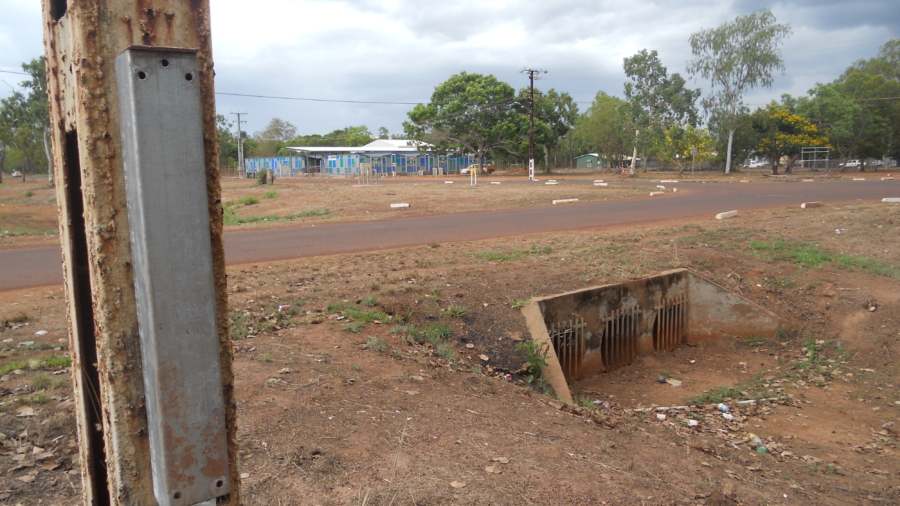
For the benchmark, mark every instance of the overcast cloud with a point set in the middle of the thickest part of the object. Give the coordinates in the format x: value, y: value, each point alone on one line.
x: 399, y: 50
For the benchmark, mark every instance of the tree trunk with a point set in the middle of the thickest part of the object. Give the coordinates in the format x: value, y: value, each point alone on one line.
x: 47, y: 154
x: 633, y: 162
x: 728, y: 155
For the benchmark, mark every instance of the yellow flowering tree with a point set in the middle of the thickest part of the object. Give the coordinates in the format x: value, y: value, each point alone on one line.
x: 783, y: 134
x: 677, y: 143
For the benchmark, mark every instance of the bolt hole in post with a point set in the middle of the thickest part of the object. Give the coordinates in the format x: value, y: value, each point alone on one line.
x: 220, y: 483
x: 164, y: 63
x: 176, y: 495
x: 189, y: 76
x: 142, y: 75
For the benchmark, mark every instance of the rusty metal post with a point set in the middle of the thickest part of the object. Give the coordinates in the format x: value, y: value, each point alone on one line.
x: 82, y: 39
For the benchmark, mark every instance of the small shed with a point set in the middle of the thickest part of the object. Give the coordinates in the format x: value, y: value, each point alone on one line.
x: 589, y: 161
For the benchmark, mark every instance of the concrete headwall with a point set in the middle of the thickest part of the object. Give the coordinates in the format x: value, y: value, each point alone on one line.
x: 710, y: 311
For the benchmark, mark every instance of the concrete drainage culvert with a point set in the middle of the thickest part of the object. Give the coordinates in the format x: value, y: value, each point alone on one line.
x: 599, y: 329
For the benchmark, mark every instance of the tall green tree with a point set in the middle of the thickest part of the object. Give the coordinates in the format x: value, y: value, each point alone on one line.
x: 606, y: 128
x: 472, y: 113
x: 656, y: 100
x: 25, y: 121
x: 736, y: 57
x: 555, y: 115
x: 228, y: 142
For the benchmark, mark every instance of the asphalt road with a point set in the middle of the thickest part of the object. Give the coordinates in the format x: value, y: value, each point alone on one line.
x: 40, y: 267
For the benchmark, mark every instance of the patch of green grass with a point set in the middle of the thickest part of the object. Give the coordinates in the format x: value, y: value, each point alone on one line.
x: 436, y: 332
x: 337, y: 307
x: 434, y: 245
x: 264, y: 357
x: 12, y: 366
x: 306, y: 214
x: 455, y: 311
x: 355, y: 327
x: 29, y: 193
x: 446, y: 351
x: 370, y: 301
x: 240, y: 322
x: 714, y: 396
x: 498, y: 256
x: 800, y: 253
x: 756, y: 341
x: 376, y: 344
x: 247, y: 201
x: 780, y: 283
x: 56, y: 362
x: 869, y: 265
x: 40, y: 397
x: 269, y: 194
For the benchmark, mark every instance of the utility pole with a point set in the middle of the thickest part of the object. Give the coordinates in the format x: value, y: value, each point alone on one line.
x: 135, y: 161
x: 532, y: 75
x: 240, y: 143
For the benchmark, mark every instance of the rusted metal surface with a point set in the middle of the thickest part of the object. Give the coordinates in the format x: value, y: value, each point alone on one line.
x: 568, y: 343
x: 81, y: 40
x: 671, y: 320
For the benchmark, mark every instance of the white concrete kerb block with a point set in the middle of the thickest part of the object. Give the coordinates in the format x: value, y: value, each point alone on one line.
x: 729, y: 214
x: 448, y: 182
x: 661, y: 187
x: 551, y: 182
x: 403, y: 204
x: 564, y: 201
x: 891, y: 199
x: 601, y: 184
x: 808, y: 205
x: 654, y: 194
x: 495, y: 182
x: 859, y: 179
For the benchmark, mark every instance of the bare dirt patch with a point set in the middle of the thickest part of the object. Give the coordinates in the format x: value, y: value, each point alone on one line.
x: 385, y: 382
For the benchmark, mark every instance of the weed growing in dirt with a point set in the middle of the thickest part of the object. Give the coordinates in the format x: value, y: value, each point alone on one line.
x: 519, y: 303
x: 423, y: 264
x: 376, y: 344
x: 455, y: 311
x: 269, y: 194
x: 29, y: 193
x: 756, y: 341
x: 40, y: 382
x: 535, y: 354
x: 779, y: 283
x: 264, y: 357
x: 445, y: 351
x: 370, y: 301
x: 498, y: 256
x: 434, y: 245
x: 40, y: 397
x: 583, y: 401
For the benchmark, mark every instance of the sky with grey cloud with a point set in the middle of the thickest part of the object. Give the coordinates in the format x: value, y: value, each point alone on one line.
x: 399, y: 50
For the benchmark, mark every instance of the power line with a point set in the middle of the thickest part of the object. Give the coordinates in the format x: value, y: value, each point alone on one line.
x: 11, y: 72
x: 319, y: 99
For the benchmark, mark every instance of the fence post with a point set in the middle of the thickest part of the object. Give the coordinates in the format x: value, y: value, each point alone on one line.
x: 82, y: 39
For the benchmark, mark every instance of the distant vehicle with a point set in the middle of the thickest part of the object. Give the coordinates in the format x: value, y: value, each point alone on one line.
x: 877, y: 163
x: 16, y: 174
x: 755, y: 164
x: 488, y: 169
x: 851, y: 163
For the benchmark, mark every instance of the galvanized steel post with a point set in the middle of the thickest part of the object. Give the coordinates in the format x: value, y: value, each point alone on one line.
x: 82, y: 39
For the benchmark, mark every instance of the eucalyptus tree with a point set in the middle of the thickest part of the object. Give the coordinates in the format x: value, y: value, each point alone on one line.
x: 656, y: 100
x: 736, y: 57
